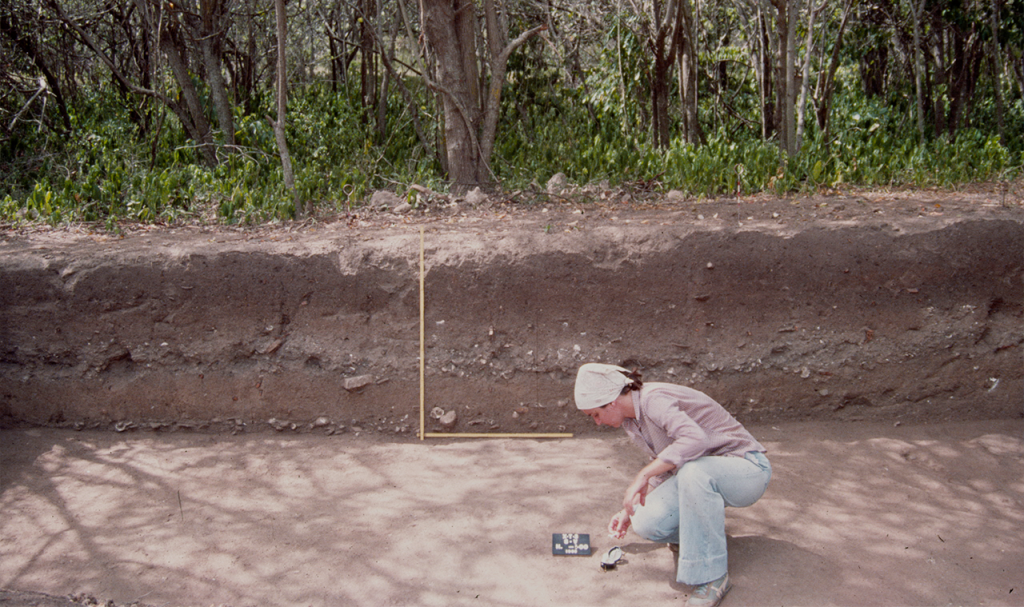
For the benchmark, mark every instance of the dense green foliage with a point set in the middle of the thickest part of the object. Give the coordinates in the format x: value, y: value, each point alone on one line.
x: 125, y: 157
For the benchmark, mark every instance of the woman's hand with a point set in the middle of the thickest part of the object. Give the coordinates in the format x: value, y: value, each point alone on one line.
x: 618, y: 525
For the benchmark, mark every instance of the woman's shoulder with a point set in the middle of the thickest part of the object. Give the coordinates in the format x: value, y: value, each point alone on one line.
x: 664, y: 391
x: 656, y: 387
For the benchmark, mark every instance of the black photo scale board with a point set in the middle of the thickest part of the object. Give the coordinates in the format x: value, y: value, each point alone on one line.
x: 570, y: 544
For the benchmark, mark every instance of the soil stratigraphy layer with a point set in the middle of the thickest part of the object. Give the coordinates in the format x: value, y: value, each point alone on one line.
x: 317, y: 327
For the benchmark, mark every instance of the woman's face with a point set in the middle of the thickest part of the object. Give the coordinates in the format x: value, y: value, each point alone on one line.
x: 608, y: 415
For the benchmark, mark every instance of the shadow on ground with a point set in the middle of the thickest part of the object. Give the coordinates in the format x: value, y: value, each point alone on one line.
x: 857, y: 514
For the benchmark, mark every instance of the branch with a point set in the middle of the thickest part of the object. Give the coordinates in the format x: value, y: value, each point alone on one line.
x: 406, y: 94
x: 330, y: 30
x: 42, y: 88
x: 498, y: 68
x: 87, y: 39
x: 520, y: 40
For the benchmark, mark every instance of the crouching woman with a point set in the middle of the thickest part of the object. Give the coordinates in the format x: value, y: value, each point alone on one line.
x: 702, y: 460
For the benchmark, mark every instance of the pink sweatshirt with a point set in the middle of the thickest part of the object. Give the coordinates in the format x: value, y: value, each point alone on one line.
x: 678, y: 424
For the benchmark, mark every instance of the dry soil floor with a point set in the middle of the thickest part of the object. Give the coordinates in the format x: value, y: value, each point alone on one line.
x: 856, y: 514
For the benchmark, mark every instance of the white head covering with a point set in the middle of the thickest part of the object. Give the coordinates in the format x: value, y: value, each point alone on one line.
x: 598, y: 384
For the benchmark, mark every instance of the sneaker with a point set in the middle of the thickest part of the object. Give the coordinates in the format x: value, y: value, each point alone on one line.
x: 710, y: 594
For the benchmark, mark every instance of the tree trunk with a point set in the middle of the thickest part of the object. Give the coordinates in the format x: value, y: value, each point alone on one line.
x: 211, y: 35
x: 765, y: 80
x: 337, y: 46
x: 968, y: 54
x: 192, y: 118
x: 826, y: 84
x: 997, y: 71
x: 915, y: 15
x: 805, y: 79
x: 243, y: 81
x: 787, y: 10
x: 1016, y: 63
x: 499, y: 50
x: 659, y: 98
x: 941, y: 78
x: 692, y: 133
x: 688, y: 93
x: 367, y: 68
x: 975, y: 67
x: 410, y: 101
x: 665, y: 42
x: 460, y: 118
x: 386, y: 53
x: 792, y: 15
x: 470, y: 124
x: 466, y: 32
x: 957, y: 79
x: 874, y: 64
x: 626, y: 122
x: 196, y: 125
x: 282, y: 103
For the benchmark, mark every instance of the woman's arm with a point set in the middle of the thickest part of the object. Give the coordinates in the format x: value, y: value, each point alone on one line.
x: 636, y: 493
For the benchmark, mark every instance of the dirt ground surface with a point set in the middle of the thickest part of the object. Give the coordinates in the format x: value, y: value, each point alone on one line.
x: 857, y: 513
x: 195, y: 415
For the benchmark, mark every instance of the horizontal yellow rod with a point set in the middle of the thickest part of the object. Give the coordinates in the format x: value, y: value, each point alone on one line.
x: 496, y: 435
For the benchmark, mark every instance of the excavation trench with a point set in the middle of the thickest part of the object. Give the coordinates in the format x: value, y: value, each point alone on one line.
x: 889, y: 316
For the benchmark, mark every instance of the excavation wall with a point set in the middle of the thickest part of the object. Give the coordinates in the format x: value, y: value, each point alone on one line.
x: 318, y: 328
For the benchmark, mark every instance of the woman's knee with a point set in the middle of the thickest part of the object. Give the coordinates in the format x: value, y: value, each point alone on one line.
x: 656, y: 524
x: 650, y: 530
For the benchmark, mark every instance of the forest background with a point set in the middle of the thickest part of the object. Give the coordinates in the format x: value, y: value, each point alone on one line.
x: 259, y: 110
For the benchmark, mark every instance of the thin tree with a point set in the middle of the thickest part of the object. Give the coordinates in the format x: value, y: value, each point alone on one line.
x: 688, y: 68
x: 282, y: 103
x: 915, y: 17
x: 788, y: 11
x: 826, y: 85
x: 997, y: 72
x: 664, y: 39
x: 209, y: 29
x: 805, y: 81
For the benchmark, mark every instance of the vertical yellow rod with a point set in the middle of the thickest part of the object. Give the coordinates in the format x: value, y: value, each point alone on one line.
x: 423, y: 361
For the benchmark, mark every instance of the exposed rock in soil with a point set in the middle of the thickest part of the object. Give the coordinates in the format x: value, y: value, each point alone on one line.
x: 837, y: 308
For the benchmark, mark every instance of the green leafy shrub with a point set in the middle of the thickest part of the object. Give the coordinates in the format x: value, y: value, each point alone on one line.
x: 141, y: 167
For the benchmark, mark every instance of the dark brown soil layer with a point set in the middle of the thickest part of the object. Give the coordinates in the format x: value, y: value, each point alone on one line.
x: 847, y: 307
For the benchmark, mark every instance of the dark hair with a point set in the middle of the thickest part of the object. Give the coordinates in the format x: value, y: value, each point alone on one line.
x: 637, y: 382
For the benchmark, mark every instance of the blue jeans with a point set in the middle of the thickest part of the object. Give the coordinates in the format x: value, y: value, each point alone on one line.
x: 689, y: 509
